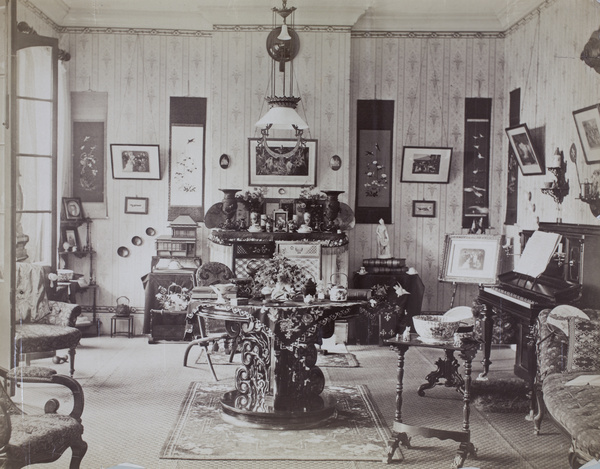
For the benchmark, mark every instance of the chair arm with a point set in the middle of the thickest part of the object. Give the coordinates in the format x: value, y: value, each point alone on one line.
x: 5, y: 430
x: 63, y: 314
x: 38, y: 374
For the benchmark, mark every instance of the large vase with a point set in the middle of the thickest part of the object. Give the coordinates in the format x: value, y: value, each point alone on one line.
x: 332, y: 208
x: 229, y: 207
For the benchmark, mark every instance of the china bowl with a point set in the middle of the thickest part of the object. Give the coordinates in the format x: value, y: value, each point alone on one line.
x: 432, y: 328
x: 64, y: 275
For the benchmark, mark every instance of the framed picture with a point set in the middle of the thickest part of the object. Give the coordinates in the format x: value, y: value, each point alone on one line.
x: 426, y: 164
x: 135, y: 161
x: 283, y: 162
x: 280, y: 219
x: 72, y: 208
x: 520, y: 142
x: 136, y: 205
x: 587, y: 121
x: 471, y: 259
x: 186, y: 170
x: 70, y: 239
x: 423, y: 208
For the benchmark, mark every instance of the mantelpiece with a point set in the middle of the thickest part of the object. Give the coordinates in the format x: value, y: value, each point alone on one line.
x: 229, y: 247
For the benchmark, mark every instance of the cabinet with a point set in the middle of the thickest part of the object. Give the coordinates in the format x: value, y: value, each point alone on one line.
x: 71, y: 248
x: 369, y: 331
x: 236, y: 249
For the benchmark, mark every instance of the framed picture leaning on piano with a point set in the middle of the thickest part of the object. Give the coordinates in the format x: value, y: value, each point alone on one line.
x: 471, y: 259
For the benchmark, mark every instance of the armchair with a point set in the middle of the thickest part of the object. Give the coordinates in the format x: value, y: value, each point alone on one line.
x: 41, y: 438
x: 42, y: 325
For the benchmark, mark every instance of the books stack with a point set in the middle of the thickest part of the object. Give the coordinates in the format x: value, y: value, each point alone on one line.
x: 203, y: 293
x: 207, y: 293
x: 391, y: 266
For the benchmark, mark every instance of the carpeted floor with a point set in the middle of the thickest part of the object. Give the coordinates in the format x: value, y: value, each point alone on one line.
x: 357, y: 431
x: 134, y: 391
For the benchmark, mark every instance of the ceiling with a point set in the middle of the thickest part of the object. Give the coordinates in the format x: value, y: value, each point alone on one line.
x: 376, y: 15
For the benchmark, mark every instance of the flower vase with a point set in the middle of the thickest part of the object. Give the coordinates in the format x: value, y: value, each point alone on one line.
x: 332, y: 208
x: 229, y: 207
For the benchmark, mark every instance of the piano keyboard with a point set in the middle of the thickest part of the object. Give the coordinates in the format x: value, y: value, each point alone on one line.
x: 510, y: 296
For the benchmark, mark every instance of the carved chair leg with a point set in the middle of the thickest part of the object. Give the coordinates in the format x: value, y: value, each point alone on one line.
x: 72, y: 357
x: 78, y: 451
x: 539, y: 416
x: 209, y: 360
x: 187, y: 351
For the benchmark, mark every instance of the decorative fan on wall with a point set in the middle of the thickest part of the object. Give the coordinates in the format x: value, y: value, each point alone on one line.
x: 591, y: 51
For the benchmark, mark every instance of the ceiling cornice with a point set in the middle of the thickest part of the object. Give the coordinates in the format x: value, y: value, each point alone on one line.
x: 375, y: 18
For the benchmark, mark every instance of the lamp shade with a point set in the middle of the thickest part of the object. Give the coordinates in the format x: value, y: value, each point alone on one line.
x: 284, y: 35
x: 282, y: 118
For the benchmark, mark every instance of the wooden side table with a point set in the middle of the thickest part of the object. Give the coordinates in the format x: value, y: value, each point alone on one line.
x: 113, y: 325
x: 402, y: 432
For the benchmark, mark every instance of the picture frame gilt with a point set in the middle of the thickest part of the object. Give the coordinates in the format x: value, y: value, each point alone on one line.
x: 587, y: 121
x: 135, y: 161
x: 283, y: 163
x: 524, y: 151
x: 426, y: 164
x: 471, y: 259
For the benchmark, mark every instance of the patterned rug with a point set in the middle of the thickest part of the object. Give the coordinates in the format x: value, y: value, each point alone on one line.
x: 357, y: 433
x: 507, y: 395
x: 332, y: 359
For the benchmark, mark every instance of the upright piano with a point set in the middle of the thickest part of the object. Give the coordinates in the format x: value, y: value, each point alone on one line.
x: 572, y: 276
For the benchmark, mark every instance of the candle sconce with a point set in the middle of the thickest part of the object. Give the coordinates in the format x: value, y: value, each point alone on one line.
x: 589, y: 193
x: 560, y: 188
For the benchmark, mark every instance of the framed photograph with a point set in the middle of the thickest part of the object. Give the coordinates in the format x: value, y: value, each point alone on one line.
x: 135, y: 161
x: 587, y: 121
x: 136, y: 205
x: 520, y: 142
x: 423, y: 208
x: 72, y: 208
x: 471, y: 259
x: 283, y: 162
x: 426, y: 164
x: 70, y: 239
x: 280, y: 219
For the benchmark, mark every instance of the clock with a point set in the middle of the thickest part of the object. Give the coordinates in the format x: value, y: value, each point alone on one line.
x: 283, y: 51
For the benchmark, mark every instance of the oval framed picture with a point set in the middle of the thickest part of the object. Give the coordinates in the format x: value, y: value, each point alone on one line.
x: 224, y: 161
x: 335, y: 162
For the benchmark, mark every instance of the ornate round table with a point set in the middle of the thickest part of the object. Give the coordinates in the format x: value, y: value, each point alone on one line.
x: 278, y: 386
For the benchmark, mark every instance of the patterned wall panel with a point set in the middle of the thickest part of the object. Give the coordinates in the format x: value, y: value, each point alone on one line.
x: 429, y: 76
x: 543, y: 60
x: 142, y: 69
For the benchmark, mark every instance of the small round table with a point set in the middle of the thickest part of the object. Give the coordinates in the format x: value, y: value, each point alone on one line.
x: 401, y: 432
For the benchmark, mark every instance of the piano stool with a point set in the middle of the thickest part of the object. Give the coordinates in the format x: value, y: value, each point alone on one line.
x: 574, y: 409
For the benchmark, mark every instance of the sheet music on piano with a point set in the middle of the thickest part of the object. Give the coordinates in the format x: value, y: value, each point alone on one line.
x: 537, y: 253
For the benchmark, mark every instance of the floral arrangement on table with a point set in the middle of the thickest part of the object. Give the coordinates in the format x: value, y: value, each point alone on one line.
x: 174, y: 298
x: 253, y: 199
x: 311, y: 193
x: 280, y: 273
x: 378, y: 179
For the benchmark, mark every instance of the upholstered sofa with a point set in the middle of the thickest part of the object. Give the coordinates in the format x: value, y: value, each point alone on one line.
x: 42, y: 325
x: 568, y: 346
